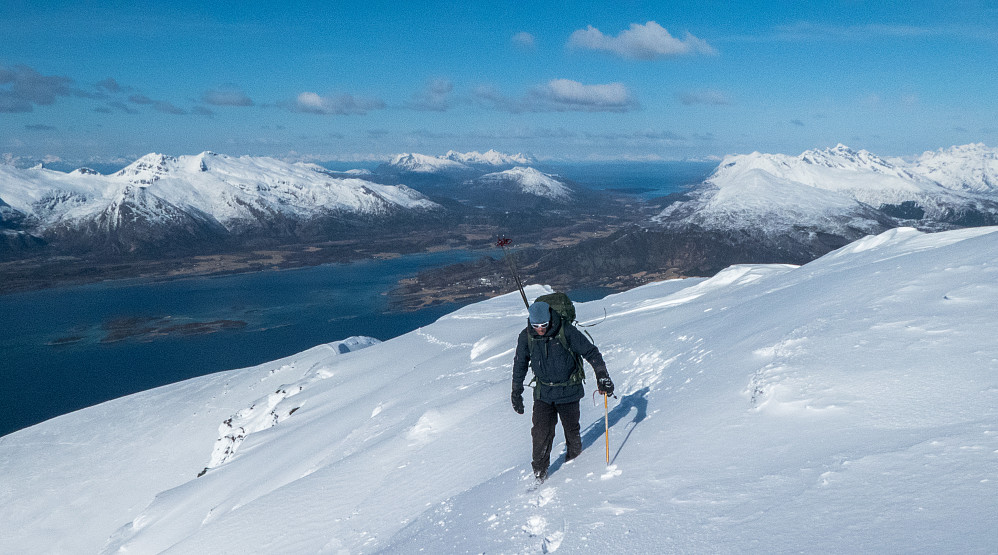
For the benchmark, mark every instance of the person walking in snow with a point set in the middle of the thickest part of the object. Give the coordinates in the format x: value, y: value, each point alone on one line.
x: 549, y: 345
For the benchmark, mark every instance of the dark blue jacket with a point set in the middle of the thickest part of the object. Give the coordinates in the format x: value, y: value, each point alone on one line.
x: 551, y: 363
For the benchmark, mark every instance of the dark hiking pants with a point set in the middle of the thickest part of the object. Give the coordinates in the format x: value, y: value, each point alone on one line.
x: 545, y: 419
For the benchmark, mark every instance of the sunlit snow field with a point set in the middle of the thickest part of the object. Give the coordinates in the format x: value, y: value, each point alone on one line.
x: 848, y: 405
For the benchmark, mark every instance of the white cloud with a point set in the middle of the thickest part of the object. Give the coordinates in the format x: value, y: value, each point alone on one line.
x: 642, y: 42
x: 524, y: 40
x: 344, y: 104
x: 563, y: 95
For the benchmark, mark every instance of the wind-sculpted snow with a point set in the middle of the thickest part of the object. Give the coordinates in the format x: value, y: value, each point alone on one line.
x: 275, y: 407
x: 848, y: 405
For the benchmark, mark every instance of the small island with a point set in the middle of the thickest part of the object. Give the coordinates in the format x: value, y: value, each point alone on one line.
x: 148, y: 329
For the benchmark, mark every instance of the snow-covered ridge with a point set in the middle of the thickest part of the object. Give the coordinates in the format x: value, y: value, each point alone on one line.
x: 231, y: 191
x: 421, y: 163
x: 530, y: 181
x: 490, y: 158
x: 836, y: 188
x: 456, y: 161
x: 972, y: 167
x: 856, y: 392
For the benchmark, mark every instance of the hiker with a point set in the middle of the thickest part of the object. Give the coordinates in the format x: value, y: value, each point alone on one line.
x: 558, y: 374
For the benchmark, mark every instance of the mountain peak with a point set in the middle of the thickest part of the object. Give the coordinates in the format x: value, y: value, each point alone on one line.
x: 531, y: 181
x: 147, y: 168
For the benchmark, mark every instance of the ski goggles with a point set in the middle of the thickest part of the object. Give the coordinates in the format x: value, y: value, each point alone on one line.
x: 543, y: 326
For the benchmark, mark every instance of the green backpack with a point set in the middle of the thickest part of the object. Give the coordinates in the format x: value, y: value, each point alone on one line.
x: 561, y: 304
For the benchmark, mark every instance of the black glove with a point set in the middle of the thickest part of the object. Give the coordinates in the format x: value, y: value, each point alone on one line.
x: 605, y: 386
x: 517, y: 399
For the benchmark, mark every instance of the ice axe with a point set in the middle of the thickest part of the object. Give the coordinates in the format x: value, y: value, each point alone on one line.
x: 606, y: 421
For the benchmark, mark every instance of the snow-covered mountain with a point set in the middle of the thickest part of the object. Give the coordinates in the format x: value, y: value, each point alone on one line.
x: 454, y: 162
x: 421, y: 163
x: 849, y: 405
x: 971, y: 167
x: 524, y: 181
x: 490, y: 158
x: 843, y: 192
x: 207, y: 194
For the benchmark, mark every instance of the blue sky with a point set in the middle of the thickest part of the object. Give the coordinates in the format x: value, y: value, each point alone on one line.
x: 571, y: 80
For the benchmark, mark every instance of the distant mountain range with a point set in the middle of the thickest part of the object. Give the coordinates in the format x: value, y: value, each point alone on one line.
x: 171, y: 202
x: 454, y: 162
x: 163, y: 205
x: 753, y: 208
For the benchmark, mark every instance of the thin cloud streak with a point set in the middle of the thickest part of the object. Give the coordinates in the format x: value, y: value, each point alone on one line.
x: 807, y: 32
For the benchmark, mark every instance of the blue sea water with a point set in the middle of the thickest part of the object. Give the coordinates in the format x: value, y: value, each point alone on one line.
x: 285, y: 311
x: 645, y: 180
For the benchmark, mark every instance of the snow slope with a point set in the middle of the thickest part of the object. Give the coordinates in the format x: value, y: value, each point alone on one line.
x: 839, y: 188
x: 847, y: 405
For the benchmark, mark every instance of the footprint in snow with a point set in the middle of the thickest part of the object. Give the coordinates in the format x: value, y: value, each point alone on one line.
x: 544, y: 497
x: 535, y: 525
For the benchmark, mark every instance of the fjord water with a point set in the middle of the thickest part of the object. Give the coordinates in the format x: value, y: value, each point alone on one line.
x: 645, y: 180
x: 57, y: 357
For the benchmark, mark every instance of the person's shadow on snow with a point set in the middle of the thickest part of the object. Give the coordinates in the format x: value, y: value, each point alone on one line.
x: 597, y: 429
